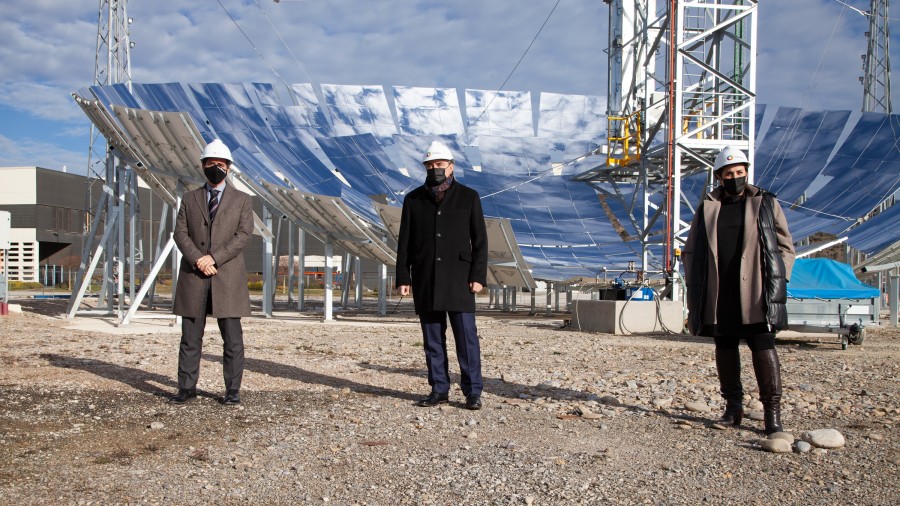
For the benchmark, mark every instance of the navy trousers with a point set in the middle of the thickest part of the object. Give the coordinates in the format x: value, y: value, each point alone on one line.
x: 468, y: 351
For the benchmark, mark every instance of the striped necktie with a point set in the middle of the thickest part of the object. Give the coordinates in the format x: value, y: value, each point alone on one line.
x: 213, y: 203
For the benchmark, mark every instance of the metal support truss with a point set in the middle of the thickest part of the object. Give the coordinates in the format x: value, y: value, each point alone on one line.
x: 682, y: 86
x: 382, y: 289
x: 159, y: 261
x: 358, y: 287
x: 876, y: 78
x: 112, y: 65
x: 112, y: 62
x: 329, y: 281
x: 301, y: 278
x: 345, y: 280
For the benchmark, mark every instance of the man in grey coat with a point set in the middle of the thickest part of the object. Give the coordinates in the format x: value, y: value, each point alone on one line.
x: 214, y: 225
x: 442, y: 257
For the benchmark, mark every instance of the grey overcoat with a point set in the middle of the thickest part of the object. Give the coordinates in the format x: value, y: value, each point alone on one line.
x: 225, y: 241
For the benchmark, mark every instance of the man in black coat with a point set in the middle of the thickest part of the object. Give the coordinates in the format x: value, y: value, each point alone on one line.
x: 442, y: 256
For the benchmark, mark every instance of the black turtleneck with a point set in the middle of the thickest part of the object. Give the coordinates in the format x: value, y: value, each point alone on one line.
x: 730, y: 232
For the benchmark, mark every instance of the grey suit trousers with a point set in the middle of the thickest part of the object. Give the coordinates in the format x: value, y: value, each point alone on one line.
x: 191, y: 348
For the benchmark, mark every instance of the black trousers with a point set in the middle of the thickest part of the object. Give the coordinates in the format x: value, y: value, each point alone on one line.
x: 757, y: 335
x: 191, y: 348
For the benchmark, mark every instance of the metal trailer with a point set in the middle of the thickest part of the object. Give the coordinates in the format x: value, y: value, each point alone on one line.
x: 824, y: 296
x: 847, y: 318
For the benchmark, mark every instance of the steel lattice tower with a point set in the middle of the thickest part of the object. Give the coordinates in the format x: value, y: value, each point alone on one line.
x: 112, y: 62
x: 112, y: 65
x: 682, y: 87
x: 876, y: 78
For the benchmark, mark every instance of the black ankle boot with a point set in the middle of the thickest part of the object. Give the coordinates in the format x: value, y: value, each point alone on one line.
x: 734, y: 413
x: 773, y: 420
x: 728, y: 365
x: 768, y: 376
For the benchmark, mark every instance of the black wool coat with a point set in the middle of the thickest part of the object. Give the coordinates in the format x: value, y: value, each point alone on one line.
x: 442, y: 248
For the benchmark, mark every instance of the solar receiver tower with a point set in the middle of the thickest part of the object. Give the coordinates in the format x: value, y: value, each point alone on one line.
x: 682, y: 86
x: 876, y: 78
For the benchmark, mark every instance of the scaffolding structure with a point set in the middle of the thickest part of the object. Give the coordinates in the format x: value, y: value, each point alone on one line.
x: 682, y: 86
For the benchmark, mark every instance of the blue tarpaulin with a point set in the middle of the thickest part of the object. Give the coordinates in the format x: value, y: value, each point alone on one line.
x: 823, y: 278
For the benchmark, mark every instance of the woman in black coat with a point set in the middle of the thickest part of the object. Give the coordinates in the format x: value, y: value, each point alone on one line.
x: 442, y: 258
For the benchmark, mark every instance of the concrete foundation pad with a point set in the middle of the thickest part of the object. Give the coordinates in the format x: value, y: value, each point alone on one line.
x: 623, y: 317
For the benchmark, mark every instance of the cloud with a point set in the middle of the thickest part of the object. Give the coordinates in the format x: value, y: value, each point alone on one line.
x: 30, y: 152
x: 808, y: 50
x: 41, y: 100
x: 809, y: 54
x: 49, y: 44
x: 461, y: 44
x: 47, y: 53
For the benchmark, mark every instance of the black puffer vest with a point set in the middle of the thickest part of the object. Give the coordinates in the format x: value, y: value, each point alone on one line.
x: 775, y: 284
x: 696, y: 285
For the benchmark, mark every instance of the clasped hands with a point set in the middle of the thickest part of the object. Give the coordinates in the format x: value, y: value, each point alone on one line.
x: 207, y: 265
x: 474, y: 287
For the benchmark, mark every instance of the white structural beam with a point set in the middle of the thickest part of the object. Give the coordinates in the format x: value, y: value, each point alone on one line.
x: 329, y: 280
x: 268, y: 291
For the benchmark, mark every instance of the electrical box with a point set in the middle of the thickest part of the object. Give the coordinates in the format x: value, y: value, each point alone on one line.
x: 640, y: 293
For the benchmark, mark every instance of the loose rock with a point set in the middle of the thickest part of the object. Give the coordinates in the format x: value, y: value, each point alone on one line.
x: 802, y: 446
x: 295, y: 443
x: 824, y: 438
x: 775, y: 445
x: 782, y: 435
x: 699, y: 407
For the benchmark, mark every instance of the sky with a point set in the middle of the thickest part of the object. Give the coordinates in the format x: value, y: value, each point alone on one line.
x: 808, y: 53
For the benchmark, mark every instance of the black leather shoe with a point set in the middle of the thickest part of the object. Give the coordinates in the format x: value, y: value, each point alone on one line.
x: 231, y: 398
x: 433, y: 399
x: 473, y: 401
x: 183, y: 395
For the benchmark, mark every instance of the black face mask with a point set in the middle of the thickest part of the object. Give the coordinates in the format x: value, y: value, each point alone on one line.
x: 435, y: 177
x: 214, y: 174
x: 735, y: 186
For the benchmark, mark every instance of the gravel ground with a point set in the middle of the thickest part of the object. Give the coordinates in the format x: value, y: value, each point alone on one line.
x: 328, y: 416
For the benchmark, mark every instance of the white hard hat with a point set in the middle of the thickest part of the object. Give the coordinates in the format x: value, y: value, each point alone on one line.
x: 730, y: 155
x: 216, y: 149
x: 438, y: 151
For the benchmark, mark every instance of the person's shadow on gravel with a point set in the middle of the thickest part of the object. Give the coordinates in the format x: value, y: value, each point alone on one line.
x: 511, y: 390
x: 295, y: 373
x: 495, y: 386
x: 138, y: 379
